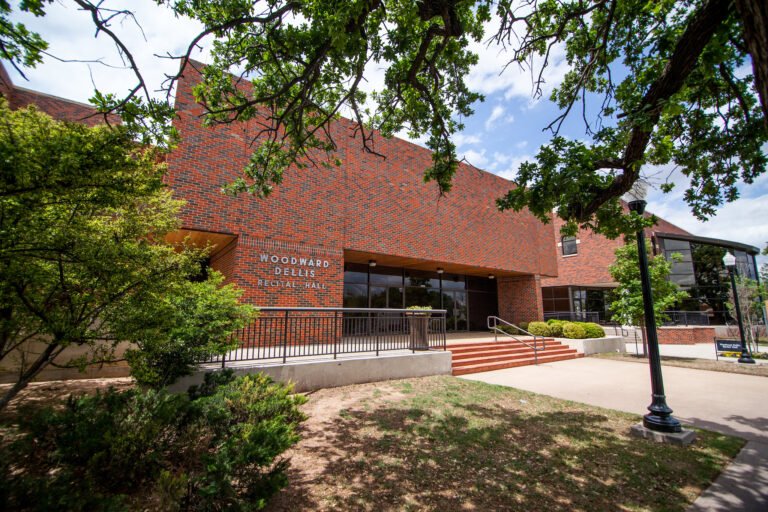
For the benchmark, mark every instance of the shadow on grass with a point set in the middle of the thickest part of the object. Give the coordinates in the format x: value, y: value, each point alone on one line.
x: 442, y: 451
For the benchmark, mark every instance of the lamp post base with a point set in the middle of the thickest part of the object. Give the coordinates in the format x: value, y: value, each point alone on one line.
x: 683, y: 438
x: 746, y: 359
x: 658, y: 423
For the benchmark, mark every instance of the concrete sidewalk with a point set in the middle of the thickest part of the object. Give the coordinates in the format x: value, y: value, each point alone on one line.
x: 724, y: 402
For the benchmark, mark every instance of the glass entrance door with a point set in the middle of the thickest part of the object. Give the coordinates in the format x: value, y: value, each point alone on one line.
x: 455, y: 303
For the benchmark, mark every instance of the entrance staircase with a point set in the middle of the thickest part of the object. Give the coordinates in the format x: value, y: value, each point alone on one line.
x: 497, y: 355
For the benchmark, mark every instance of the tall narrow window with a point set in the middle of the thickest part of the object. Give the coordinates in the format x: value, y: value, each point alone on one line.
x: 569, y: 245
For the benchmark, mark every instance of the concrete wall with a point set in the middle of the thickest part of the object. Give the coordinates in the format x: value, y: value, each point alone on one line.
x: 596, y: 345
x: 308, y: 376
x: 28, y: 352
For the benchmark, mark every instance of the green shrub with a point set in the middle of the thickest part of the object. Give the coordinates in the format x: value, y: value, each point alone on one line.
x: 593, y: 330
x: 514, y: 331
x: 556, y: 327
x: 574, y: 331
x: 524, y: 325
x: 539, y: 329
x: 251, y: 421
x: 216, y: 449
x: 197, y: 321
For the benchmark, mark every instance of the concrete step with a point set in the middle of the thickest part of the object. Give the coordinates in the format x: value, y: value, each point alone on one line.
x: 500, y: 365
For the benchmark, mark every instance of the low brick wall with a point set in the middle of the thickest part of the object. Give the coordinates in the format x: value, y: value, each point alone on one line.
x: 685, y: 335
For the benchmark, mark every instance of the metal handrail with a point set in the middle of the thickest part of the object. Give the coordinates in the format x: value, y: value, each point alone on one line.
x: 354, y: 310
x: 496, y: 330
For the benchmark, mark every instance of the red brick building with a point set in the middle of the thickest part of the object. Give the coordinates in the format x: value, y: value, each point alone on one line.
x: 58, y: 108
x: 581, y: 288
x: 368, y: 233
x: 371, y: 233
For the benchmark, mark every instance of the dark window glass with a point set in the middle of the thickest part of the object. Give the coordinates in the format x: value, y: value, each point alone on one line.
x: 378, y: 297
x: 386, y: 276
x: 355, y: 295
x: 453, y: 282
x: 569, y: 245
x: 423, y: 279
x: 675, y: 245
x: 355, y: 277
x: 481, y: 284
x: 395, y: 298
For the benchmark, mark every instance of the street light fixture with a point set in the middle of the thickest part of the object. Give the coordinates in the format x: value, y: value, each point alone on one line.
x: 660, y: 417
x: 729, y: 260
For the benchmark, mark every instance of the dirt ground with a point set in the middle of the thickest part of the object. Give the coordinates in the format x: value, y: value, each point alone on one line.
x: 55, y: 392
x: 321, y: 446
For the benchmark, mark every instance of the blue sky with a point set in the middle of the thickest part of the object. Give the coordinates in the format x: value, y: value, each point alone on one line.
x: 505, y: 130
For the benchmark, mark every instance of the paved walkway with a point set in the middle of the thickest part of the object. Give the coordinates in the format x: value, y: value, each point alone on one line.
x: 725, y: 402
x: 698, y: 351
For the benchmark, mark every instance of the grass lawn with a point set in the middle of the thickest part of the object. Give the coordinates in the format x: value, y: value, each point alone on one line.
x: 442, y: 443
x: 730, y: 366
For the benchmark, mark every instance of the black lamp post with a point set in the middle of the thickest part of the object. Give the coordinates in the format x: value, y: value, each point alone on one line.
x: 729, y: 260
x: 660, y: 416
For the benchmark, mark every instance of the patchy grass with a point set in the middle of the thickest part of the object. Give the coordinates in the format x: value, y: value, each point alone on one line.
x: 760, y: 370
x: 442, y: 443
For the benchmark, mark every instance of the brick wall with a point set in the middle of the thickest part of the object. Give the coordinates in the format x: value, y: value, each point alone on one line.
x: 589, y: 267
x: 369, y: 204
x: 685, y: 335
x: 520, y: 299
x: 58, y: 108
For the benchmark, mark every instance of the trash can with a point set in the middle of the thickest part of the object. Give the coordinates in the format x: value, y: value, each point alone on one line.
x: 419, y: 324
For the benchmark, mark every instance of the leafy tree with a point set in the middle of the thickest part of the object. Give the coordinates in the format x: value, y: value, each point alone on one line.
x: 750, y: 292
x: 83, y: 212
x: 668, y: 82
x: 627, y: 304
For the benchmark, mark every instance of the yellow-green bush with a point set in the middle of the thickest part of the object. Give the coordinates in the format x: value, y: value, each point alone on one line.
x: 574, y: 331
x: 539, y: 329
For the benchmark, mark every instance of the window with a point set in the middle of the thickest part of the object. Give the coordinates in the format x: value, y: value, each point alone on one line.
x: 569, y: 245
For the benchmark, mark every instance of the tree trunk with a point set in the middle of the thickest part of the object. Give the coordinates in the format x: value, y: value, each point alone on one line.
x: 49, y: 354
x: 754, y: 19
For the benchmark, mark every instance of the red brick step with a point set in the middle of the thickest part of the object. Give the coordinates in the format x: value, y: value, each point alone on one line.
x: 483, y: 357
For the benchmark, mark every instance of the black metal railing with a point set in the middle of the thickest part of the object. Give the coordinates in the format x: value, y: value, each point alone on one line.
x: 283, y: 333
x: 686, y: 318
x: 575, y: 316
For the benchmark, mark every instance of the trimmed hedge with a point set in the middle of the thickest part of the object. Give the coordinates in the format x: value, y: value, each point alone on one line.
x: 574, y: 331
x: 539, y: 329
x: 556, y: 327
x: 594, y: 330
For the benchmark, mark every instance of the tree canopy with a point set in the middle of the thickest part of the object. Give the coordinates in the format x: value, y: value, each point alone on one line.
x: 627, y: 304
x: 676, y: 82
x: 83, y: 214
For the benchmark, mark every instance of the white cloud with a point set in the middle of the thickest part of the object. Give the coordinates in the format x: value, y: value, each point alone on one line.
x: 461, y: 139
x: 506, y: 165
x: 522, y: 144
x: 69, y: 32
x: 495, y: 73
x: 496, y: 113
x: 476, y: 158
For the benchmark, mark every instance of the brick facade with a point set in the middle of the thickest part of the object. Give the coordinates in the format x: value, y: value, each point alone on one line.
x: 520, y: 299
x: 589, y: 266
x: 58, y: 108
x: 368, y: 205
